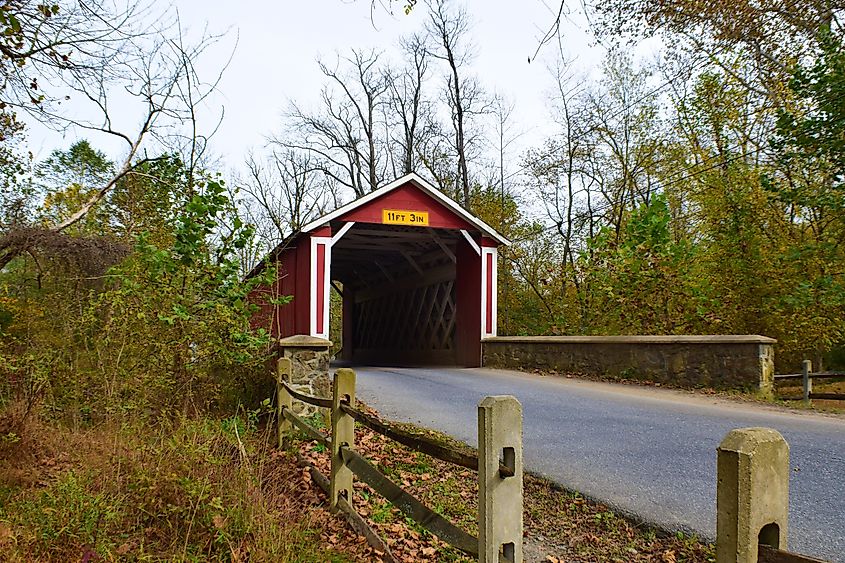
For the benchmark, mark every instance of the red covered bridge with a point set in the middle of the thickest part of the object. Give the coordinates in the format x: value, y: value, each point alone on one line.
x: 416, y: 271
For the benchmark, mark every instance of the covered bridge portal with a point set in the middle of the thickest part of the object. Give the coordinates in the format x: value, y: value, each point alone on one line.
x: 417, y: 274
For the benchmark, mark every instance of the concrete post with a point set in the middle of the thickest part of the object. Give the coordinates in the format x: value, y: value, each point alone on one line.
x: 806, y: 370
x: 343, y: 434
x: 283, y: 399
x: 767, y: 370
x: 499, y: 498
x: 752, y: 494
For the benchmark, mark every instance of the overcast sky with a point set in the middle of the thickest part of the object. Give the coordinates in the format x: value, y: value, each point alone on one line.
x: 276, y: 45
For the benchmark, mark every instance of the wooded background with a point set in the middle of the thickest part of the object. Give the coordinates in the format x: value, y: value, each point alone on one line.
x: 701, y: 193
x: 696, y: 191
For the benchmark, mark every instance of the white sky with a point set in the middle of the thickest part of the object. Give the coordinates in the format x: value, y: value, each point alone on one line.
x: 278, y: 43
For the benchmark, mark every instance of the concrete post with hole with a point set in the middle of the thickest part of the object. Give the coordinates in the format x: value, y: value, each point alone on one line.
x: 752, y: 495
x: 343, y: 434
x: 499, y: 497
x: 806, y: 381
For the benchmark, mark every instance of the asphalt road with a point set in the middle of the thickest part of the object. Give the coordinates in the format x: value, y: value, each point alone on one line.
x: 649, y: 452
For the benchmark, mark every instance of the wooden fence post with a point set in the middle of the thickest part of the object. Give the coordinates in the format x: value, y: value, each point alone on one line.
x: 499, y: 497
x: 806, y: 370
x: 343, y: 434
x: 752, y: 494
x: 283, y: 400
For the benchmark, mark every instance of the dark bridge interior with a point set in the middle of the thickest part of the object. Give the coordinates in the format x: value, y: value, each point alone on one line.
x: 400, y: 294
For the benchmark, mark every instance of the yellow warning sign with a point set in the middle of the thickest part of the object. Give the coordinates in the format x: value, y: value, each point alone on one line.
x: 404, y: 217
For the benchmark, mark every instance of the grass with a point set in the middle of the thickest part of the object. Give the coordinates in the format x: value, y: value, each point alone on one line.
x: 217, y: 490
x: 793, y: 388
x: 192, y: 490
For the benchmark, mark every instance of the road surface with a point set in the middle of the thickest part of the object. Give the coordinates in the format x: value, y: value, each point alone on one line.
x: 645, y: 451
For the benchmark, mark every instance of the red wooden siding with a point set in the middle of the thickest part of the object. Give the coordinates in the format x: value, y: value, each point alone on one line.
x: 409, y: 198
x: 280, y: 321
x: 468, y: 298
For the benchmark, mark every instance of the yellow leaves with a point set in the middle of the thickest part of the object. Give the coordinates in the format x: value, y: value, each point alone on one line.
x: 668, y: 556
x: 7, y: 534
x: 61, y: 204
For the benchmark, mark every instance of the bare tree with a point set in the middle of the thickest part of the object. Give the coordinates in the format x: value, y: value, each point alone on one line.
x: 345, y: 134
x: 563, y: 169
x: 626, y: 125
x: 284, y: 192
x: 95, y: 57
x: 465, y: 98
x: 437, y: 155
x: 501, y: 112
x: 504, y: 137
x: 408, y: 106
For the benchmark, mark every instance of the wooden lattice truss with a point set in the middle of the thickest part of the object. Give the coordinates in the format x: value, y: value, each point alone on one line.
x: 403, y: 280
x: 422, y: 319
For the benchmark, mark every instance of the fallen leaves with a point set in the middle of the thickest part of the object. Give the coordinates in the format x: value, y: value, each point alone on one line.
x: 568, y: 527
x: 7, y: 535
x: 668, y: 556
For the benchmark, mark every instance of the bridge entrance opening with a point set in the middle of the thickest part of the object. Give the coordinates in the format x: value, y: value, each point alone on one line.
x: 400, y: 294
x: 416, y: 272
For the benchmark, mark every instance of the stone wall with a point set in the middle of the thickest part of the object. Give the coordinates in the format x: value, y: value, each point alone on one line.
x: 309, y: 357
x: 721, y: 362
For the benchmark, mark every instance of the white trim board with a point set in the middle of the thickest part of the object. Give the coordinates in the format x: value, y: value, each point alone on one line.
x: 494, y: 297
x: 471, y: 242
x: 327, y: 264
x: 342, y: 232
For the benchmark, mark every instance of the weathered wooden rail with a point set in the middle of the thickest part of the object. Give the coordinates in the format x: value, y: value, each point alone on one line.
x: 498, y: 462
x: 807, y: 376
x: 768, y: 554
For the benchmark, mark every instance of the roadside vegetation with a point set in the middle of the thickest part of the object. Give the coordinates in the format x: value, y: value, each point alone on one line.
x: 703, y: 194
x: 192, y: 490
x: 132, y: 387
x: 795, y: 390
x: 560, y: 525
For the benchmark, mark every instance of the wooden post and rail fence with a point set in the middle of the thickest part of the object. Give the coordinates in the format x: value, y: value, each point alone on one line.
x: 807, y: 376
x: 498, y: 462
x: 752, y: 474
